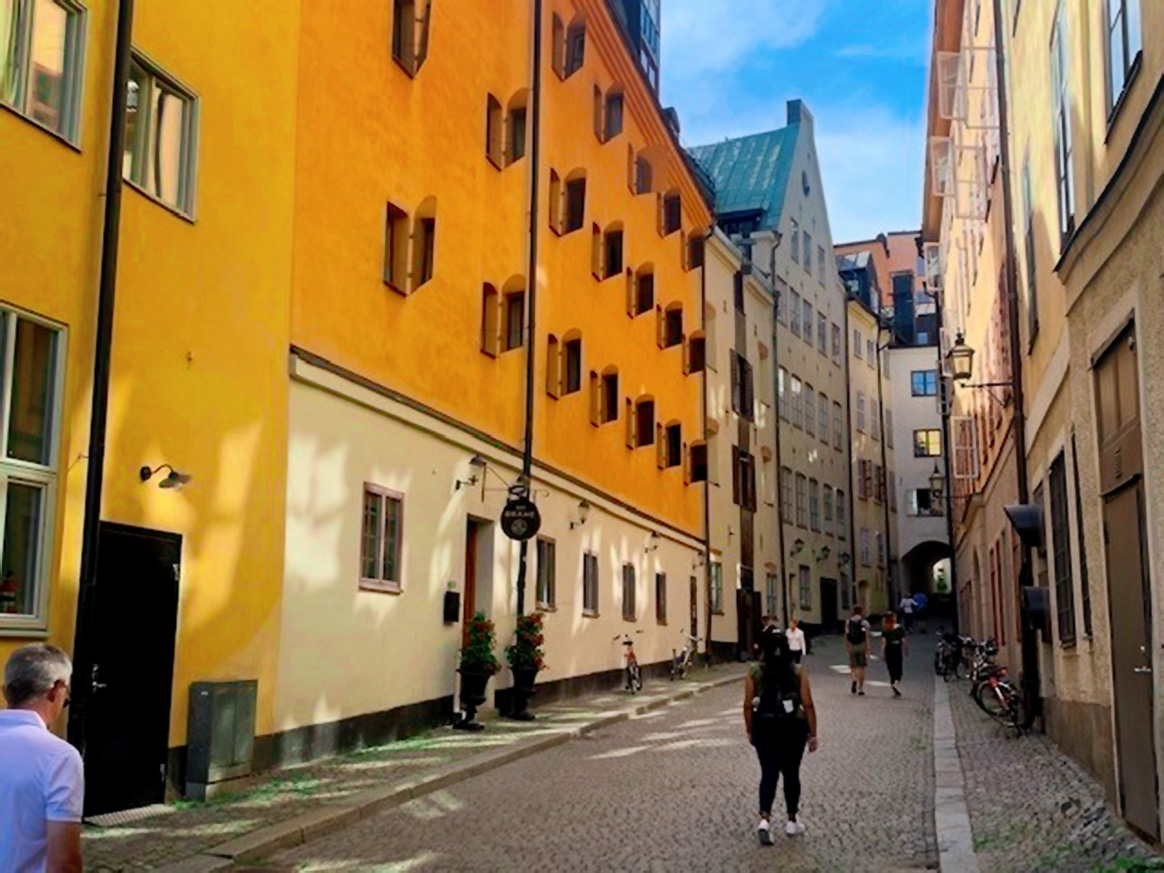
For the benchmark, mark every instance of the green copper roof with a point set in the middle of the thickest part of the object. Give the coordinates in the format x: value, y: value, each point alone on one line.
x: 751, y: 172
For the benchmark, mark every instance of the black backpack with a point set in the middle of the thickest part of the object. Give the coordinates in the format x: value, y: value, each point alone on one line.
x: 770, y: 706
x: 855, y: 631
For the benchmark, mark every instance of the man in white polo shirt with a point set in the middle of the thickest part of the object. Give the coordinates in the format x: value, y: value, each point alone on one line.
x: 42, y: 781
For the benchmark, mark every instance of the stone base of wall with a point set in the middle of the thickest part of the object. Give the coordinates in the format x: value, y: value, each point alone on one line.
x: 1083, y: 731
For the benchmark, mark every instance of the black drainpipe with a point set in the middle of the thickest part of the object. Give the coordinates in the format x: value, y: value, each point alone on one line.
x: 707, y: 479
x: 84, y: 669
x: 531, y: 284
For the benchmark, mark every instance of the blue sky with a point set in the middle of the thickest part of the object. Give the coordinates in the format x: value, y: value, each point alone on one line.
x: 729, y: 67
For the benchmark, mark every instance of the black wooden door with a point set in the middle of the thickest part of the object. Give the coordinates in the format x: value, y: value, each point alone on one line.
x: 130, y: 636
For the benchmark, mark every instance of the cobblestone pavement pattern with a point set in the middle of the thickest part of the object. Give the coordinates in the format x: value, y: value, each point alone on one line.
x: 675, y: 790
x: 186, y: 829
x: 1032, y: 808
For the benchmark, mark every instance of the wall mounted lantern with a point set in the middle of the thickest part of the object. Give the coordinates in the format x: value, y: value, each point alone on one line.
x: 583, y: 514
x: 798, y: 546
x: 477, y: 471
x: 173, y: 480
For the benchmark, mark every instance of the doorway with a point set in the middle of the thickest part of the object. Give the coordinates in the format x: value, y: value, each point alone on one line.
x: 478, y: 573
x: 829, y: 620
x: 124, y: 725
x: 1129, y: 588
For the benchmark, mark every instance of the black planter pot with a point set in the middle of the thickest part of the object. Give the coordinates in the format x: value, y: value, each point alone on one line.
x: 472, y: 696
x: 523, y: 689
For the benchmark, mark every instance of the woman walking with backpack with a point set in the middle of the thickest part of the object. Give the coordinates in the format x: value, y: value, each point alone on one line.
x: 780, y: 720
x: 857, y: 645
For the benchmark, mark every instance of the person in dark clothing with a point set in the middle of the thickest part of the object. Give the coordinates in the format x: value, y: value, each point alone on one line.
x: 781, y: 721
x: 893, y: 649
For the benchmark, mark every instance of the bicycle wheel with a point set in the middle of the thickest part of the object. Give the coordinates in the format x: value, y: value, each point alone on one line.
x: 1000, y: 702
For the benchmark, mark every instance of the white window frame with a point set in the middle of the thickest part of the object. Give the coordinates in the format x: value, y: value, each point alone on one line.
x: 43, y: 476
x: 546, y: 572
x: 73, y: 81
x: 188, y: 171
x: 379, y: 583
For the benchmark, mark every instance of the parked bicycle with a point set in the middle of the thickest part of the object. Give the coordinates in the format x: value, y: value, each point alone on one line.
x: 682, y: 660
x: 991, y: 686
x: 950, y: 656
x: 634, y: 673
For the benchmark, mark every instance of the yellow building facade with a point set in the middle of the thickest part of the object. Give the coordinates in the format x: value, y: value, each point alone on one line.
x: 319, y: 351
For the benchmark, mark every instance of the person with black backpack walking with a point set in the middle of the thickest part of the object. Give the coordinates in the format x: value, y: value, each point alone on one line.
x: 857, y: 633
x: 781, y: 721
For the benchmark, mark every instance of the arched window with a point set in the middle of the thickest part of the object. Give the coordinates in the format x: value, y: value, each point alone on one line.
x: 575, y: 45
x: 669, y: 444
x: 641, y: 426
x: 697, y: 466
x: 644, y: 289
x: 554, y: 213
x: 612, y: 261
x: 513, y: 314
x: 604, y: 396
x: 598, y: 109
x: 410, y: 23
x: 709, y: 330
x: 424, y: 242
x: 396, y: 248
x: 670, y: 325
x: 613, y: 114
x: 571, y: 367
x: 516, y: 127
x: 596, y: 251
x: 696, y: 352
x: 494, y: 131
x: 553, y: 367
x: 489, y: 313
x: 643, y: 174
x: 575, y: 211
x: 671, y: 213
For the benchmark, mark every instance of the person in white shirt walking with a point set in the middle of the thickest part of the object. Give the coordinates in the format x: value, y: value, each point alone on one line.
x: 796, y: 642
x: 906, y: 609
x: 42, y: 780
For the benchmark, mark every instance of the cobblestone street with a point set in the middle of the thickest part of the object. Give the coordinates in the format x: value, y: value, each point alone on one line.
x: 1033, y: 810
x: 676, y: 790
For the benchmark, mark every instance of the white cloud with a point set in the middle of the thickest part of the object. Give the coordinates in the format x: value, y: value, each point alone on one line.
x: 693, y: 45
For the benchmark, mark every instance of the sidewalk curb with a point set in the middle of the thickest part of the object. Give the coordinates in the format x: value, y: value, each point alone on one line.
x: 951, y: 816
x: 332, y: 817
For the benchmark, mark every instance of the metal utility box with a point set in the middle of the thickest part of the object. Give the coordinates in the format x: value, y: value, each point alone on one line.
x: 220, y: 738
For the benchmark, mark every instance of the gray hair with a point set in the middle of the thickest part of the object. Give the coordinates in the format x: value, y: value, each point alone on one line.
x: 32, y: 671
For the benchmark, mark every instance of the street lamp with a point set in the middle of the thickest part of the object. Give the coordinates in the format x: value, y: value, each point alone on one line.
x: 961, y: 359
x: 798, y: 546
x: 823, y: 554
x: 937, y: 483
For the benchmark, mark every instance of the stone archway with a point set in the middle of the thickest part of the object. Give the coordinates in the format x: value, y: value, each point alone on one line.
x: 918, y: 575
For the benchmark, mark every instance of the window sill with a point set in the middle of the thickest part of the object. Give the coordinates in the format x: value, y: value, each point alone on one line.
x: 661, y: 621
x: 379, y: 587
x: 629, y: 618
x: 57, y: 135
x: 411, y: 73
x: 392, y: 286
x: 717, y: 612
x: 1114, y: 114
x: 129, y: 183
x: 546, y: 607
x: 31, y: 630
x: 590, y: 613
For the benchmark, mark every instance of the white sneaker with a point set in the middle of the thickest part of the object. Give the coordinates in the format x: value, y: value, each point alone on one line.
x: 794, y: 828
x: 764, y: 832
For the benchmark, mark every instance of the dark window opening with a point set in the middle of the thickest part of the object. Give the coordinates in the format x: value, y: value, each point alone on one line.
x: 610, y: 397
x: 642, y: 175
x: 575, y: 204
x: 645, y: 294
x: 696, y: 355
x: 695, y: 252
x: 645, y: 423
x: 672, y: 213
x: 573, y: 366
x: 613, y: 116
x: 575, y: 48
x: 426, y: 247
x: 674, y: 445
x: 673, y: 335
x: 613, y: 247
x: 516, y: 134
x: 698, y: 455
x: 514, y: 320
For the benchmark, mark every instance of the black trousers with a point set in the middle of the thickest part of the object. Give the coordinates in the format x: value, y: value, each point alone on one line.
x: 893, y: 662
x: 780, y: 749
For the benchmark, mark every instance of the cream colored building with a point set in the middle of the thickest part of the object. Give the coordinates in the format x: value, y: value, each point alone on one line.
x: 873, y: 532
x: 769, y: 189
x: 1085, y: 92
x: 741, y: 426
